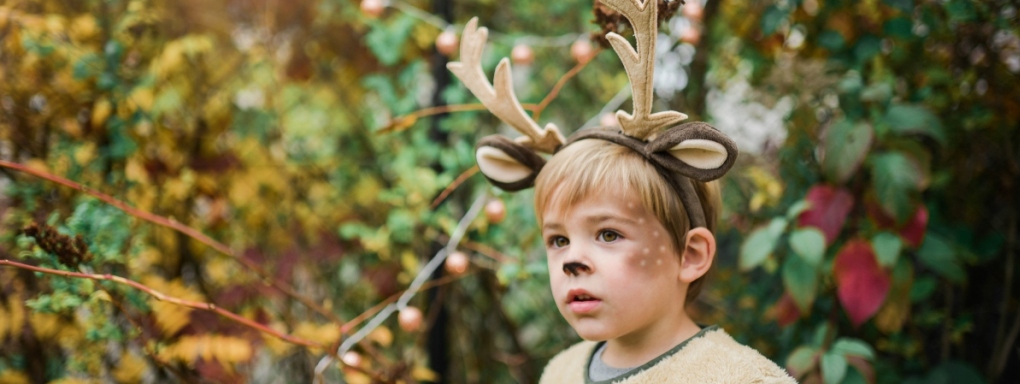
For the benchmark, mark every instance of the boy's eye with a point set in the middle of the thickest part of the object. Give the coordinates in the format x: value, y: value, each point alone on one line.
x: 559, y: 242
x: 609, y: 236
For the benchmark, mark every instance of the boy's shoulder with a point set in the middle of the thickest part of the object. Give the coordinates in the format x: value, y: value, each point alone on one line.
x: 710, y: 357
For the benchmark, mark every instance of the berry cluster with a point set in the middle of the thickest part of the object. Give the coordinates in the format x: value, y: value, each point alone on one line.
x: 69, y: 251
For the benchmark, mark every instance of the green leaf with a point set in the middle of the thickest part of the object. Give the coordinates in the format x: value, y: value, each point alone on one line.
x: 922, y: 289
x: 833, y: 367
x: 800, y: 279
x: 867, y: 47
x: 853, y: 347
x: 760, y: 243
x: 771, y: 20
x: 831, y: 40
x: 887, y: 248
x: 896, y: 179
x: 905, y: 119
x: 940, y: 256
x: 809, y: 244
x: 797, y: 208
x: 846, y: 144
x: 801, y: 360
x: 820, y: 334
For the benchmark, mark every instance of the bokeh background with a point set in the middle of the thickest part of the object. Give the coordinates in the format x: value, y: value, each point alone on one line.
x: 298, y: 163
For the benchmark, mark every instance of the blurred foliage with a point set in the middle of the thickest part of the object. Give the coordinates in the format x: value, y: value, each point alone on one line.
x: 872, y: 245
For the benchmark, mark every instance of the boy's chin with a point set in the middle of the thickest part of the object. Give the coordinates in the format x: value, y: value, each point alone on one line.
x: 592, y: 330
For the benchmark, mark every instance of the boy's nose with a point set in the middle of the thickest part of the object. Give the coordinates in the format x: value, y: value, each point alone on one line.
x: 574, y: 268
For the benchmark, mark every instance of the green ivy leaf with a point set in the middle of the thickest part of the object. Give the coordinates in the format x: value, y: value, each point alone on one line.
x: 833, y: 367
x: 922, y: 289
x: 940, y: 256
x: 895, y: 180
x: 797, y: 208
x: 846, y: 144
x: 853, y: 347
x: 887, y: 248
x: 760, y: 243
x: 809, y: 244
x: 905, y: 119
x: 771, y: 20
x: 800, y: 279
x: 801, y: 360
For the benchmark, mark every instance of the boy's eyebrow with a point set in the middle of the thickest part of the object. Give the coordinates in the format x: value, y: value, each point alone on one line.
x: 552, y: 226
x: 601, y: 218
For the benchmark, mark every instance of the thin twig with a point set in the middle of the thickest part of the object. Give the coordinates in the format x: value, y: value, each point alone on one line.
x: 378, y: 307
x: 169, y: 299
x: 402, y: 123
x: 177, y: 226
x: 563, y: 81
x: 453, y: 186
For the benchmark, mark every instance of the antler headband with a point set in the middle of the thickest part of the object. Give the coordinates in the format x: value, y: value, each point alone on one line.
x: 690, y: 151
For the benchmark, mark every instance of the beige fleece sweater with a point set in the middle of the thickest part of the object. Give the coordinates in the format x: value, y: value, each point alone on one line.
x: 711, y: 356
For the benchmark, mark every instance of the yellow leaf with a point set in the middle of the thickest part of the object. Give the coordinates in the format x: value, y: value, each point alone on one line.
x: 422, y: 373
x: 130, y: 369
x: 13, y: 377
x: 382, y: 335
x: 171, y: 317
x: 100, y: 112
x: 84, y: 28
x: 276, y: 346
x: 37, y: 165
x: 45, y: 325
x: 17, y: 315
x: 141, y: 98
x: 135, y: 171
x: 3, y: 323
x: 355, y: 377
x: 85, y: 153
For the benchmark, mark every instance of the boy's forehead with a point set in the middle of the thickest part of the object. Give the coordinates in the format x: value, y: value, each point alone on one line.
x: 605, y: 201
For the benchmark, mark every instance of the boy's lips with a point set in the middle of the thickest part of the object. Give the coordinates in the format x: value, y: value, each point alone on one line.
x: 581, y: 301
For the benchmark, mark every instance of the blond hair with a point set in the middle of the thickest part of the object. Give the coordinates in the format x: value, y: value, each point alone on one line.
x: 589, y: 167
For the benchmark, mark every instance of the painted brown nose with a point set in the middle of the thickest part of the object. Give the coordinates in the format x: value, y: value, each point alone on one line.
x: 575, y: 268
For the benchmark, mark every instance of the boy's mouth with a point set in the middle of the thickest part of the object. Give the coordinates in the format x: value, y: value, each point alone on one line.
x: 580, y: 301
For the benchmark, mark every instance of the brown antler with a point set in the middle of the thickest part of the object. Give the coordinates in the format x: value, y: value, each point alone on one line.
x: 501, y: 100
x: 640, y: 66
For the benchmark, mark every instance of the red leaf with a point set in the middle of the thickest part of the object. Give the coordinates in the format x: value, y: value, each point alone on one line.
x: 786, y: 310
x: 862, y: 285
x: 913, y: 232
x: 829, y: 208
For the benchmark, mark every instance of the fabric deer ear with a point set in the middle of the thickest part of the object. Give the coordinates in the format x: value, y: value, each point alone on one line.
x: 696, y: 150
x: 507, y: 164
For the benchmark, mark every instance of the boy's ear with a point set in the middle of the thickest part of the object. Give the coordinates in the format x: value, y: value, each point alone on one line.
x: 698, y: 255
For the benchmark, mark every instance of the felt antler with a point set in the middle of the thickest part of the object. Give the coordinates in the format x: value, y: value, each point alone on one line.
x: 640, y: 66
x: 501, y: 100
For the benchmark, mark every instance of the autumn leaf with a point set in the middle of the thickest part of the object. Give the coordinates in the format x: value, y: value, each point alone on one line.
x: 829, y: 209
x: 861, y: 282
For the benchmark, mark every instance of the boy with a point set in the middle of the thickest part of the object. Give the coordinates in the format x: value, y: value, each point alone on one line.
x: 612, y: 227
x: 627, y: 215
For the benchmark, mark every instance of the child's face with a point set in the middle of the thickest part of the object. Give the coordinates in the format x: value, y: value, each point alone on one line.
x: 611, y: 249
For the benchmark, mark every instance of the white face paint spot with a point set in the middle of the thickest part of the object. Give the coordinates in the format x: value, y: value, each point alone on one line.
x: 655, y: 234
x: 662, y: 249
x: 630, y: 205
x: 641, y: 220
x: 643, y: 262
x: 658, y: 261
x: 645, y: 251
